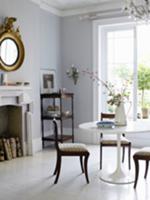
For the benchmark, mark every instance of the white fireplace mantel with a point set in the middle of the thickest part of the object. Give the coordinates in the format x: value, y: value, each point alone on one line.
x: 14, y: 95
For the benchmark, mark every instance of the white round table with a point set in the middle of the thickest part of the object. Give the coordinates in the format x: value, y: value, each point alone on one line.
x: 119, y: 176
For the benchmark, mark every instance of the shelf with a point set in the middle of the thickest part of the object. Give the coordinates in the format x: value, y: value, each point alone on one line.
x: 57, y: 117
x: 57, y: 100
x: 56, y: 95
x: 52, y: 138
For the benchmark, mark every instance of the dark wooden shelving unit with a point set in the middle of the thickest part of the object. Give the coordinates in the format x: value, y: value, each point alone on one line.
x: 57, y: 99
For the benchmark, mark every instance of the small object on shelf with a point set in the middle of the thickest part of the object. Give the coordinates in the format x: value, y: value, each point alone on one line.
x: 66, y: 113
x: 19, y: 83
x: 56, y: 109
x: 53, y: 110
x: 26, y: 83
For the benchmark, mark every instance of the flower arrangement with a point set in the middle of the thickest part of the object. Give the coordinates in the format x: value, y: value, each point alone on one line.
x: 116, y: 95
x: 73, y: 73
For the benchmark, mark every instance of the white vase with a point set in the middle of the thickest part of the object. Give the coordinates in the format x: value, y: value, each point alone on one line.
x: 120, y: 116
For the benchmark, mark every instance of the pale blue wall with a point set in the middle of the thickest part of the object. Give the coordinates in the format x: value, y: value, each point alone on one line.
x: 41, y: 36
x: 77, y: 46
x: 50, y: 49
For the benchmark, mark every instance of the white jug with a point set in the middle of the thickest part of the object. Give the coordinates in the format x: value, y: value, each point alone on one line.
x: 120, y: 116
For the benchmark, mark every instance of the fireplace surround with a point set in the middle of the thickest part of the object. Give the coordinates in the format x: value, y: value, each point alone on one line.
x: 16, y: 110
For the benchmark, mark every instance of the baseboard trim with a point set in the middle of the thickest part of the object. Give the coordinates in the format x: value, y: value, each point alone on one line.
x: 36, y: 145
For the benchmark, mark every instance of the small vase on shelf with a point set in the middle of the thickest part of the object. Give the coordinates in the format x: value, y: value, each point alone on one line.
x: 120, y: 116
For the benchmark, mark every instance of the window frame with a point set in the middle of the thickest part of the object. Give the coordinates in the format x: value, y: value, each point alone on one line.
x: 100, y: 28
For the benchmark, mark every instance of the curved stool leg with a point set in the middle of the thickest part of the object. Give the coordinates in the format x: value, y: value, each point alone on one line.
x: 129, y: 156
x: 56, y: 167
x: 136, y: 162
x: 58, y: 170
x: 81, y: 163
x: 146, y: 168
x: 101, y: 154
x: 123, y: 153
x: 86, y: 167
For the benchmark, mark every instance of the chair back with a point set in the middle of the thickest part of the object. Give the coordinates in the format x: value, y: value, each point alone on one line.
x: 55, y: 128
x: 107, y: 116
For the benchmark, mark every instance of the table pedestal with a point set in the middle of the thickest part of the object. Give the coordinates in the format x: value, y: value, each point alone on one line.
x: 119, y: 176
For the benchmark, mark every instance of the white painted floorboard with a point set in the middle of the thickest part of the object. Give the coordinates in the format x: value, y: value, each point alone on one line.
x: 30, y: 178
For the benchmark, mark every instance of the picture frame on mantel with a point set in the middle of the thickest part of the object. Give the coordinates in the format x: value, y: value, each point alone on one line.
x: 48, y: 81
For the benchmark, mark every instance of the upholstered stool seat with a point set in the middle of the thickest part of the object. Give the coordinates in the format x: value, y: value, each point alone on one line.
x: 77, y: 147
x: 112, y: 141
x: 143, y: 154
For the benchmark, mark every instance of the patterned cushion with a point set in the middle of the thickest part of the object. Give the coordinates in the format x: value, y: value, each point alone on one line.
x: 75, y: 147
x: 143, y: 152
x: 112, y: 140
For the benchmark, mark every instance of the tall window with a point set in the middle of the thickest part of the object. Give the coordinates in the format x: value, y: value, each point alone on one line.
x: 125, y: 55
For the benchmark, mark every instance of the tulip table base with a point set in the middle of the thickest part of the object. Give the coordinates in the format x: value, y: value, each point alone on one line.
x: 119, y: 176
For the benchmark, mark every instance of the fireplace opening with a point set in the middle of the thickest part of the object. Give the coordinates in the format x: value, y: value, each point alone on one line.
x: 10, y: 132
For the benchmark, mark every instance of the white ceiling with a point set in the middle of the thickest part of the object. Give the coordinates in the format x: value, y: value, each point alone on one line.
x: 76, y: 7
x: 76, y: 4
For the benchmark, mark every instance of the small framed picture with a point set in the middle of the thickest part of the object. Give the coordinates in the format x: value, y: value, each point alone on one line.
x: 48, y: 81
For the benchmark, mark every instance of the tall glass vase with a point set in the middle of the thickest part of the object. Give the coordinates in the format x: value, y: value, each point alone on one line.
x: 120, y: 116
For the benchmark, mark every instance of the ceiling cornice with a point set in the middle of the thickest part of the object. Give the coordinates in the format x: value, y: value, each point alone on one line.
x: 92, y: 9
x: 43, y: 5
x: 80, y: 11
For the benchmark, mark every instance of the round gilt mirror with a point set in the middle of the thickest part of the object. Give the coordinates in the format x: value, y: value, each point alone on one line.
x: 11, y: 47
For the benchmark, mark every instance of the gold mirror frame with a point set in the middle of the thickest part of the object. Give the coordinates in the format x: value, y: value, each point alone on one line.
x: 7, y: 31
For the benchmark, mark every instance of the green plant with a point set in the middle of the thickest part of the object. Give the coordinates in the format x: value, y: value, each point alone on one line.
x: 143, y: 81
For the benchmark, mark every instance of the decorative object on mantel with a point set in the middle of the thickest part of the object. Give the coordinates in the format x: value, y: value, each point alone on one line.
x: 138, y: 11
x: 22, y: 83
x: 116, y: 96
x: 73, y: 73
x: 3, y: 78
x: 12, y: 48
x: 5, y: 82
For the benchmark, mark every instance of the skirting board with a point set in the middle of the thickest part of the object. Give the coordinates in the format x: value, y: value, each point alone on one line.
x: 36, y: 145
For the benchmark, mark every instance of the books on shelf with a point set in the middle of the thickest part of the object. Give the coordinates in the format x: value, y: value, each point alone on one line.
x: 105, y: 124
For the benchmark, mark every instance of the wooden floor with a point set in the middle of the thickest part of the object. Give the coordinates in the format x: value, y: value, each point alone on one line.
x: 31, y: 178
